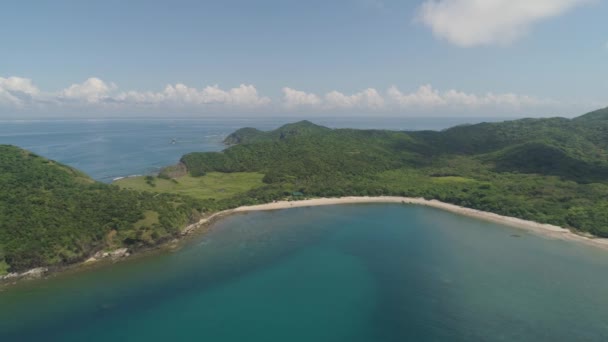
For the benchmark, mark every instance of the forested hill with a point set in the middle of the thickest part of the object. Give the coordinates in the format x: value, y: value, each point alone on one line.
x: 551, y: 170
x: 51, y: 214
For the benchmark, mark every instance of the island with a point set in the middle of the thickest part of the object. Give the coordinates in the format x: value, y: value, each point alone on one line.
x: 553, y: 171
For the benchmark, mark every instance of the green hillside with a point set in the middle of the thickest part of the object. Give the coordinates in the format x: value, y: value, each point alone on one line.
x: 51, y: 214
x: 551, y: 170
x: 250, y: 135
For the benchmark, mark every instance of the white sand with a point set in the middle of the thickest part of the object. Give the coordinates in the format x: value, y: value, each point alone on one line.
x: 540, y: 228
x: 546, y: 230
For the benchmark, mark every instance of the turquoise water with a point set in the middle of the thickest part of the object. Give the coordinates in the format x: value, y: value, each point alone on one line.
x: 378, y: 272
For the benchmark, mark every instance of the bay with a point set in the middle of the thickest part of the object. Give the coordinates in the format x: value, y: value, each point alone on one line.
x: 340, y: 273
x: 375, y: 272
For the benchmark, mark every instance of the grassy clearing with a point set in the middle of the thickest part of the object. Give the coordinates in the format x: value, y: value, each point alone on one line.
x: 215, y: 185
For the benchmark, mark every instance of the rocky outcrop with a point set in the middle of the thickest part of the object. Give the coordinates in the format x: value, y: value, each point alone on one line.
x: 34, y: 273
x: 115, y: 254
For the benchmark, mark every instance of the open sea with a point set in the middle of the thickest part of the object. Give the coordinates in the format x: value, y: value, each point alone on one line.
x: 108, y: 149
x: 373, y: 272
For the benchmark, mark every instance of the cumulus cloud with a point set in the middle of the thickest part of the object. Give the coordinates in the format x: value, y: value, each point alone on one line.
x: 425, y: 97
x: 180, y: 94
x: 16, y: 90
x: 92, y: 90
x: 18, y: 84
x: 95, y: 94
x: 428, y: 97
x: 367, y: 99
x: 294, y: 98
x: 475, y: 22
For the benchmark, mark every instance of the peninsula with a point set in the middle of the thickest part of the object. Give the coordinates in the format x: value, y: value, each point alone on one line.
x: 551, y: 171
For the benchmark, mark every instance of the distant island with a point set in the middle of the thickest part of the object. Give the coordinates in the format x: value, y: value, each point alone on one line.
x: 552, y: 171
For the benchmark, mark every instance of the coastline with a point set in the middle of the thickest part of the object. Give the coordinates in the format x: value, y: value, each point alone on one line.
x: 546, y: 230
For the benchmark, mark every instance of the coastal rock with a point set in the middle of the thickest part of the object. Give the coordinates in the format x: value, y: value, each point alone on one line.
x: 115, y: 254
x: 9, y: 276
x: 34, y: 273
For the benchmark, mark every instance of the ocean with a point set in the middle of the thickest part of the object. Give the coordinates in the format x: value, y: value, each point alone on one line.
x: 373, y: 272
x: 109, y: 149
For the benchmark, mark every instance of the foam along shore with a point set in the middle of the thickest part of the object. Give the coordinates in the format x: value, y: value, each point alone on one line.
x: 547, y: 230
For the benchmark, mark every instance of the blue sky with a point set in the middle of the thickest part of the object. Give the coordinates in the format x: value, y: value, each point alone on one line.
x: 332, y: 57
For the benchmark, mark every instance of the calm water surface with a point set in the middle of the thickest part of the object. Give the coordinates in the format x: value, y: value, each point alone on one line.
x: 378, y: 272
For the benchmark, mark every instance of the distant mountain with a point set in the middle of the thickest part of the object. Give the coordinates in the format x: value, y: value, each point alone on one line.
x: 249, y: 135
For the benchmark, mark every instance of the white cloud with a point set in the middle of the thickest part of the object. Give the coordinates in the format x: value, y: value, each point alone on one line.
x: 16, y: 90
x: 481, y: 22
x: 92, y: 90
x: 180, y: 94
x: 18, y: 84
x: 428, y: 97
x: 294, y: 98
x: 367, y: 99
x: 425, y: 97
x: 97, y: 96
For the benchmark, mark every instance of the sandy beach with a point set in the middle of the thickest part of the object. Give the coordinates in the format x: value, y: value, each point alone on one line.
x: 547, y: 230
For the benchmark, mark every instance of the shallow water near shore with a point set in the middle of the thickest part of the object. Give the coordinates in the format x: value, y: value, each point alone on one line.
x: 374, y: 272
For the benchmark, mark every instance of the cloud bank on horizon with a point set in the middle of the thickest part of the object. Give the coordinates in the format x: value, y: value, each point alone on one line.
x: 22, y: 95
x: 468, y: 23
x: 476, y: 53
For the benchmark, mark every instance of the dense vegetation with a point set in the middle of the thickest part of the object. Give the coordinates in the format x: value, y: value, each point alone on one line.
x: 551, y: 170
x: 51, y: 214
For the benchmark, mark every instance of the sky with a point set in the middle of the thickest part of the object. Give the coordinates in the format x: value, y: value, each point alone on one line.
x: 201, y: 58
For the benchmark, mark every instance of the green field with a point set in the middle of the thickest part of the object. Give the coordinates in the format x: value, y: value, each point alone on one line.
x: 216, y: 185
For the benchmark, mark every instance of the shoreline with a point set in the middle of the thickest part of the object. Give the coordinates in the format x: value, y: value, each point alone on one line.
x: 542, y: 229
